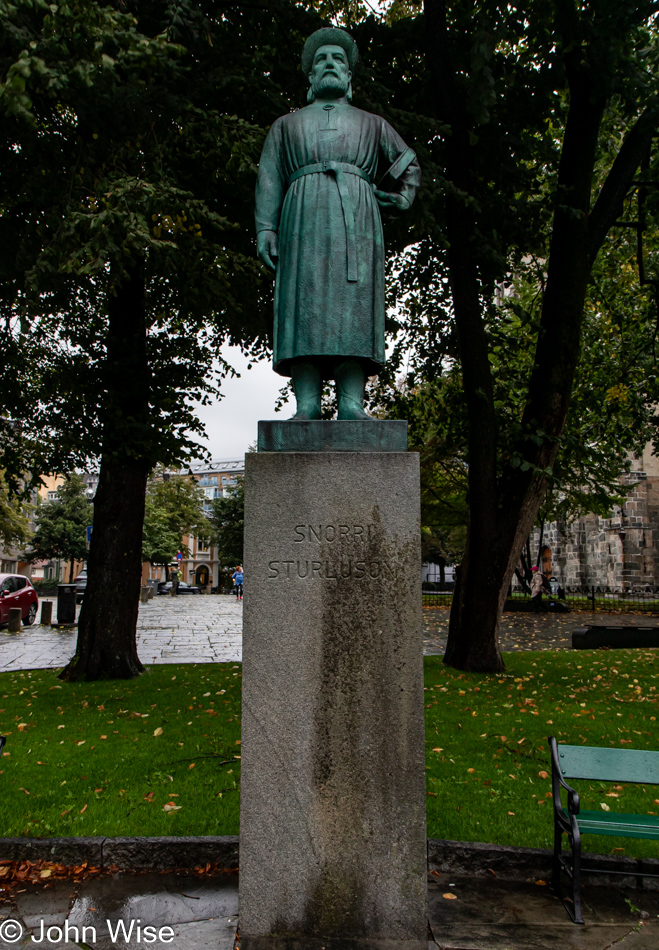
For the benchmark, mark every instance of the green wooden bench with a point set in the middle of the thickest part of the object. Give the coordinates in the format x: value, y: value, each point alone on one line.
x: 634, y: 766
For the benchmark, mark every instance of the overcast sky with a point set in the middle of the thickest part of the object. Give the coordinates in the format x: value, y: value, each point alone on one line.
x: 231, y: 423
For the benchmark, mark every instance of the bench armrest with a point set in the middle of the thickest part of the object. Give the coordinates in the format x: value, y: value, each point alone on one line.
x: 558, y: 782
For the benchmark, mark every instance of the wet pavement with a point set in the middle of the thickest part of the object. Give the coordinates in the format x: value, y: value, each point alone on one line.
x: 208, y: 629
x: 195, y: 912
x: 205, y: 629
x: 201, y: 912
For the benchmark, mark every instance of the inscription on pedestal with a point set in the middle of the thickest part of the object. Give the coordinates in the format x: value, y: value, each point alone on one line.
x: 332, y: 785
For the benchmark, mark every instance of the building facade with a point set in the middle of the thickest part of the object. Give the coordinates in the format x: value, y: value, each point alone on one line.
x: 620, y: 552
x: 202, y: 567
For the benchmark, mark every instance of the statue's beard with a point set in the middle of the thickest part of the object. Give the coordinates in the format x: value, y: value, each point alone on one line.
x: 329, y: 83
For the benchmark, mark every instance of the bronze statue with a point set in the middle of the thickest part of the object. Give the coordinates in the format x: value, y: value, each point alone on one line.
x: 318, y: 226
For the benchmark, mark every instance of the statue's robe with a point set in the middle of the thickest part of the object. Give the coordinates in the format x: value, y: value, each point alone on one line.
x: 329, y: 292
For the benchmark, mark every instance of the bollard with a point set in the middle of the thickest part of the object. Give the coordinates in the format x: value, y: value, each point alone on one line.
x: 46, y: 613
x: 144, y: 594
x: 15, y: 617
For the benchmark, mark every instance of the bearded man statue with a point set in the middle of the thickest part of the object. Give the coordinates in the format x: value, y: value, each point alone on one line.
x: 318, y: 226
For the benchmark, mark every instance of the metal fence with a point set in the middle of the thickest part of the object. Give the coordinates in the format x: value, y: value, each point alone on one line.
x: 605, y: 599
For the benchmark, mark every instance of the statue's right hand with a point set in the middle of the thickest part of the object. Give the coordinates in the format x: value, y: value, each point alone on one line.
x: 267, y: 248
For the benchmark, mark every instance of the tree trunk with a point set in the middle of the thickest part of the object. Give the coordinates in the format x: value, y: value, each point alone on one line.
x: 502, y: 510
x: 106, y: 645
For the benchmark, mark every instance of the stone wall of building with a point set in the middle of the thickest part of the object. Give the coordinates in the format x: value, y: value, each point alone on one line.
x: 620, y: 552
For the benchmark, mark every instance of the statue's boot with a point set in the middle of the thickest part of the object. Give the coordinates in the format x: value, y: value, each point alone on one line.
x: 308, y: 387
x: 350, y: 386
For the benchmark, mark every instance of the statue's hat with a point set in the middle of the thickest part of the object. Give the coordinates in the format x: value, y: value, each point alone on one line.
x: 329, y: 36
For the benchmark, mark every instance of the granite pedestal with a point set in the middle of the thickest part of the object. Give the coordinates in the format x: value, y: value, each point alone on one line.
x: 333, y: 839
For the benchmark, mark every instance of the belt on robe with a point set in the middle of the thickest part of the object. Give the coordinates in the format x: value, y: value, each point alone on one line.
x: 340, y: 170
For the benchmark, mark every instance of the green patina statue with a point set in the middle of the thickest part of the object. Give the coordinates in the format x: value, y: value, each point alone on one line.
x: 318, y: 225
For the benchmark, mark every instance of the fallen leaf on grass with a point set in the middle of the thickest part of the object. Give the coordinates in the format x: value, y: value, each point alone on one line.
x: 24, y: 790
x: 81, y: 742
x: 21, y: 726
x: 543, y: 774
x: 83, y: 809
x: 541, y: 883
x: 511, y: 813
x: 191, y: 766
x: 103, y: 737
x: 605, y: 807
x: 148, y: 796
x: 65, y: 812
x: 61, y: 727
x: 170, y: 806
x: 438, y: 750
x: 471, y: 770
x: 158, y: 731
x: 449, y: 897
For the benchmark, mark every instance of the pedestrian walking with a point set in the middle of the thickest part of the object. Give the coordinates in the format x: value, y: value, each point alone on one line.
x: 237, y: 578
x: 176, y: 576
x: 537, y: 587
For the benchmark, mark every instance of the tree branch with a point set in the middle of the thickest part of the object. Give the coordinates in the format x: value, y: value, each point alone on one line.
x: 608, y: 206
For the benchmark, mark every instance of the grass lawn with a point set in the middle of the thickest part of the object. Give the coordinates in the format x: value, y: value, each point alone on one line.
x: 83, y: 759
x: 487, y: 759
x: 108, y: 758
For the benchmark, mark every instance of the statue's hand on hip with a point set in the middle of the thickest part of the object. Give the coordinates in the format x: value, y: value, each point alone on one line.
x: 267, y: 248
x: 389, y: 199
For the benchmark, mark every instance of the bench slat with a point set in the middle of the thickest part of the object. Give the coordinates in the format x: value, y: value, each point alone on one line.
x: 637, y: 766
x: 618, y: 824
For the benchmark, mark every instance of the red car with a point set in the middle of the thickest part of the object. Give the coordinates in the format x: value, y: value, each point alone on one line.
x: 17, y: 591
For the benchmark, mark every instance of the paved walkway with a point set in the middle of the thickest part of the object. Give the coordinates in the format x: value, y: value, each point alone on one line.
x: 529, y: 631
x: 466, y: 913
x: 209, y: 630
x: 169, y: 630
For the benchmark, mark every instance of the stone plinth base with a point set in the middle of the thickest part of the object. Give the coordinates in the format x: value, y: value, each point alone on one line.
x: 332, y: 828
x: 317, y: 435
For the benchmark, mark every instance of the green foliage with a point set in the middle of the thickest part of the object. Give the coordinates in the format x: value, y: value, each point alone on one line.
x: 228, y: 521
x: 174, y: 507
x: 160, y: 542
x: 131, y: 132
x: 62, y: 524
x: 14, y: 520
